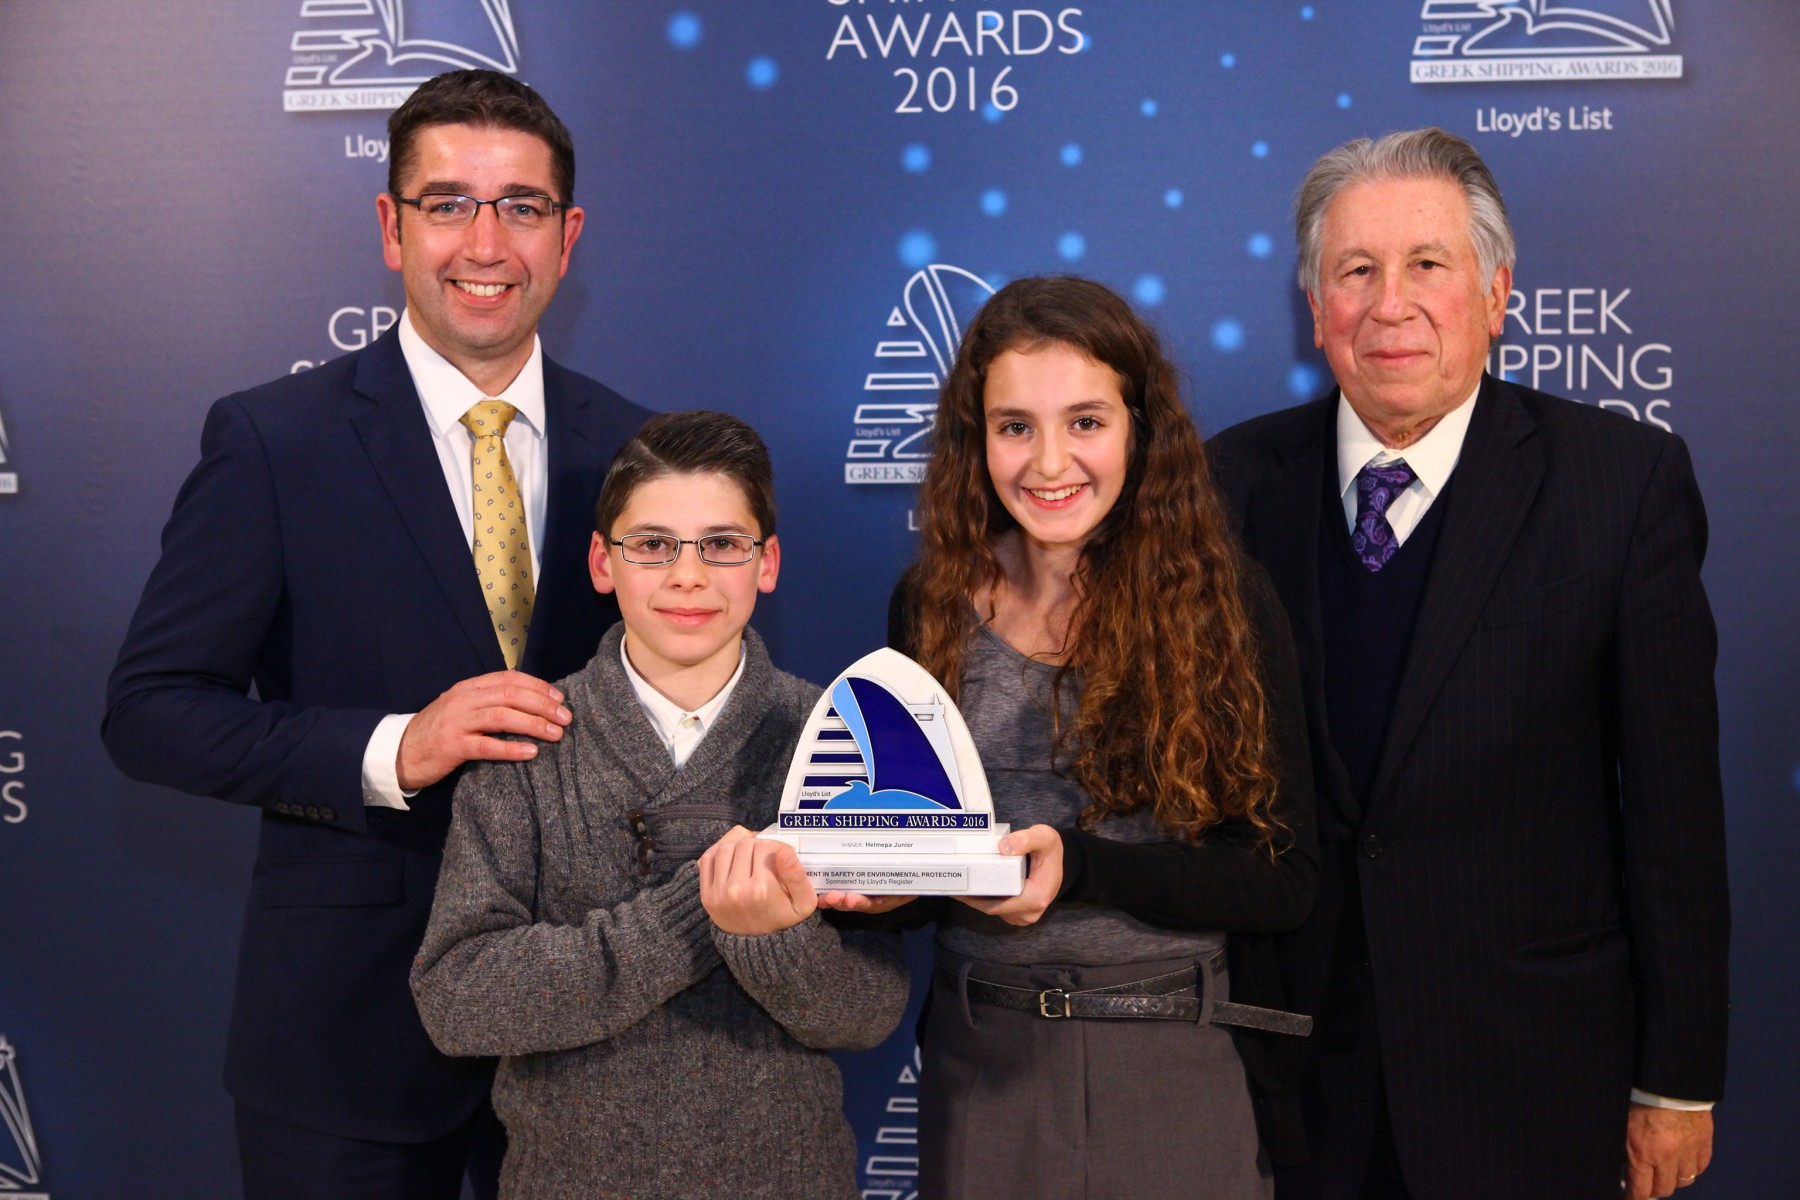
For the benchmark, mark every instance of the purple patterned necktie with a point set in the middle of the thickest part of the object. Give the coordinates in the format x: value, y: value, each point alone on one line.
x: 1376, y: 486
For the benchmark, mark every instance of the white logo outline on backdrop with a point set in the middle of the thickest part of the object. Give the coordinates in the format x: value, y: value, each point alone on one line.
x: 898, y: 454
x: 1613, y: 41
x: 395, y: 63
x: 17, y: 1119
x: 9, y: 480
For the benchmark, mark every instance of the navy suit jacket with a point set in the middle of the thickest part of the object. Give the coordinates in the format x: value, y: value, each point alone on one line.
x: 1540, y: 857
x: 315, y: 556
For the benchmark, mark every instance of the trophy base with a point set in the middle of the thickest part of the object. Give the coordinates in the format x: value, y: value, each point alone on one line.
x: 907, y: 863
x: 915, y: 874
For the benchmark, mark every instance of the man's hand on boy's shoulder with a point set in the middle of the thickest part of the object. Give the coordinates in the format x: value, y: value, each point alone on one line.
x: 462, y: 725
x: 751, y: 886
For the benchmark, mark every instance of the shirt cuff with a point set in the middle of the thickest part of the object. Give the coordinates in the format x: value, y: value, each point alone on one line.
x: 380, y: 773
x: 1639, y: 1096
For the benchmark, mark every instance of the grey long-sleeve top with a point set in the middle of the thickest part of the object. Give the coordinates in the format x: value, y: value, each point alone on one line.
x: 647, y: 1052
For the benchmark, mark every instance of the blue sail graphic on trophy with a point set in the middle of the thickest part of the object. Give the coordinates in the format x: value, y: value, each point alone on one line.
x: 902, y: 765
x: 885, y: 792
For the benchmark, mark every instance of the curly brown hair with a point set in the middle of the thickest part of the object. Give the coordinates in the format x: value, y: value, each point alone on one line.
x: 1172, y: 716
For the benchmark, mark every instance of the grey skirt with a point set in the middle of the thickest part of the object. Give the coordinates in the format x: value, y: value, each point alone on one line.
x: 1012, y: 1104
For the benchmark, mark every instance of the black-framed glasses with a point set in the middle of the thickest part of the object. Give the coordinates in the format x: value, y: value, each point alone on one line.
x: 661, y: 549
x: 522, y: 214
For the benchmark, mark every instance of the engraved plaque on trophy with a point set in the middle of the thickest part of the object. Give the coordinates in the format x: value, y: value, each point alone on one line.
x: 886, y: 795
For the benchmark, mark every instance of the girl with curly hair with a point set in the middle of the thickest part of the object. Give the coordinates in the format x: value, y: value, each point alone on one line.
x: 1129, y: 679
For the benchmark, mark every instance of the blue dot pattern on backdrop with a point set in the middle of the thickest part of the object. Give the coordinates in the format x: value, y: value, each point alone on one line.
x: 1071, y: 245
x: 917, y: 248
x: 916, y: 158
x: 1260, y: 149
x: 761, y: 72
x: 993, y: 202
x: 1303, y: 381
x: 684, y: 31
x: 1260, y: 245
x: 1343, y: 100
x: 1228, y: 334
x: 1149, y: 290
x: 1306, y: 12
x: 1148, y: 108
x: 1172, y: 197
x: 1228, y: 60
x: 990, y: 112
x: 1071, y: 155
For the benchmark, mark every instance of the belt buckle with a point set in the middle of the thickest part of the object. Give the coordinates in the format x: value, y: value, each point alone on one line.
x: 1053, y: 1002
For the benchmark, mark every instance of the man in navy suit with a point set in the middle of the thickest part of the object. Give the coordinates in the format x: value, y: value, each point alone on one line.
x: 1518, y: 952
x: 324, y: 553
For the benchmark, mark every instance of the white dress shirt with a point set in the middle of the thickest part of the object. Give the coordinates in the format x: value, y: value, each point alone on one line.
x: 679, y: 729
x: 1432, y: 459
x: 446, y: 394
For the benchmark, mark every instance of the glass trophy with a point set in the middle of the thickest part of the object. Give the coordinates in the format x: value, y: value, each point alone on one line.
x: 885, y: 794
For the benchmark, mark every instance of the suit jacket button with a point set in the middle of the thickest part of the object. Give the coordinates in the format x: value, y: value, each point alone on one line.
x: 327, y: 813
x: 282, y: 809
x: 1371, y: 846
x: 312, y: 812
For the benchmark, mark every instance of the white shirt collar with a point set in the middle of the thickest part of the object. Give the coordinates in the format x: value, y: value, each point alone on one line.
x: 447, y: 393
x: 1432, y: 458
x: 678, y: 728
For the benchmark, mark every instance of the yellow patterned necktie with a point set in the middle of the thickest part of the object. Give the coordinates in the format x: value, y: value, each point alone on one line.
x: 502, y: 547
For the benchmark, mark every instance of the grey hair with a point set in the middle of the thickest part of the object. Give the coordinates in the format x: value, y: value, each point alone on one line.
x: 1410, y: 154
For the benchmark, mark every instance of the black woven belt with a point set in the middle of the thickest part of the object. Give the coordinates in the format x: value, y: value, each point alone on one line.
x: 1163, y: 998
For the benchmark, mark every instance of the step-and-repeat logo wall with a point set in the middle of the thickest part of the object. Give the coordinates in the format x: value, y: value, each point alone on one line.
x: 794, y: 212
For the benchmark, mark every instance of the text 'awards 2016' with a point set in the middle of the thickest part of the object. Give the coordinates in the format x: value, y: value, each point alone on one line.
x: 886, y: 795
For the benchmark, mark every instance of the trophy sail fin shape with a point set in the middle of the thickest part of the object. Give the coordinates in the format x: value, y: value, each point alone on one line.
x: 886, y: 795
x: 905, y: 769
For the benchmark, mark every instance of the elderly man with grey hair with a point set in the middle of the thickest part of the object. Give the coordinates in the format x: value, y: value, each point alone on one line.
x: 1518, y: 954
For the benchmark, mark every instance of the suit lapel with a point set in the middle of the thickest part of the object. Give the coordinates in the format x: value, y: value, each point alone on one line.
x: 1495, y: 481
x: 575, y: 468
x: 391, y: 423
x: 1285, y: 509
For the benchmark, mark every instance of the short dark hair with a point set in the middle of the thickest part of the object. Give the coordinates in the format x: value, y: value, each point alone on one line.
x: 690, y: 443
x: 487, y: 100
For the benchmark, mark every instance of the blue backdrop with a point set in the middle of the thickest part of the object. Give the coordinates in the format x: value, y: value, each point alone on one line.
x: 792, y: 207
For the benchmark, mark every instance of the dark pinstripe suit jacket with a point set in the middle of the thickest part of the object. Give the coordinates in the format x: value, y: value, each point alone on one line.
x: 1545, y: 893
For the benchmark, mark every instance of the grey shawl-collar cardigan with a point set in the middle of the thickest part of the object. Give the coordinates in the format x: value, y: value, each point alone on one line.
x: 646, y: 1052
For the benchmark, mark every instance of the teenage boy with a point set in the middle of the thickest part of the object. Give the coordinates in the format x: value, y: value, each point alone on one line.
x: 663, y: 1013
